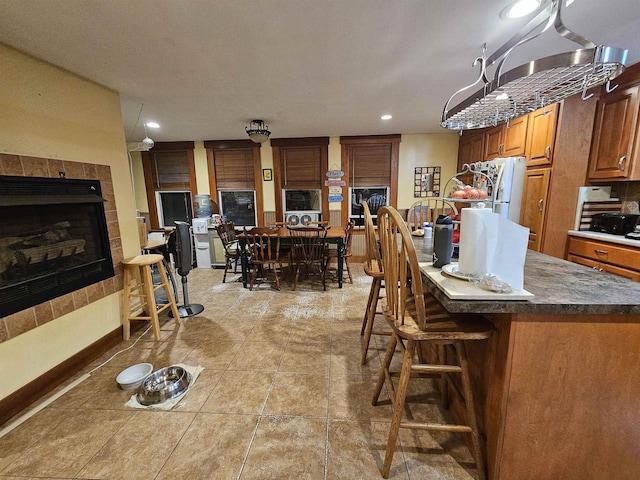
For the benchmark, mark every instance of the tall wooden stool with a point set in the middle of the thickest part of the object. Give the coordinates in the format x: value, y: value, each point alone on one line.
x: 138, y: 283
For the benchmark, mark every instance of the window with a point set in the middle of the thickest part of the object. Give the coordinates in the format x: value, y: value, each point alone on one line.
x: 370, y: 165
x: 173, y: 206
x: 169, y: 173
x: 235, y: 179
x: 375, y: 197
x: 302, y: 200
x: 239, y: 206
x: 299, y: 167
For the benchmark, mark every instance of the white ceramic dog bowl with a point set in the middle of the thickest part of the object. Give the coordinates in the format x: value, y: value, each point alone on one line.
x: 131, y: 378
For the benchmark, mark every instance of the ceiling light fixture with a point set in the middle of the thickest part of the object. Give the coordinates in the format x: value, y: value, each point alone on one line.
x: 386, y: 117
x: 258, y: 133
x: 153, y: 125
x: 519, y: 9
x: 146, y: 144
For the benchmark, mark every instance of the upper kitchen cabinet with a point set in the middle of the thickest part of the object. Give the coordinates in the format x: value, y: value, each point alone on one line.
x: 470, y: 148
x: 614, y: 150
x: 507, y: 140
x: 541, y: 136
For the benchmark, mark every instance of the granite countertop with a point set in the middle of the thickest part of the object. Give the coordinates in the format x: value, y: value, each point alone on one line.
x: 559, y: 286
x: 606, y: 237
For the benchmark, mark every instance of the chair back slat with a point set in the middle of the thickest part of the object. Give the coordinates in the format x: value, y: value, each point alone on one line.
x: 263, y: 244
x: 308, y: 243
x: 402, y: 277
x: 427, y: 210
x: 373, y: 259
x: 348, y: 236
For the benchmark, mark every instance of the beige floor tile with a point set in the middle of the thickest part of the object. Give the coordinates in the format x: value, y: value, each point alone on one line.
x: 240, y: 392
x: 357, y: 449
x: 346, y: 360
x: 258, y: 354
x: 199, y: 392
x: 19, y: 440
x: 287, y: 447
x: 306, y: 358
x: 141, y: 447
x: 214, y: 446
x: 311, y: 330
x: 70, y: 444
x: 298, y: 394
x: 214, y: 354
x: 350, y: 398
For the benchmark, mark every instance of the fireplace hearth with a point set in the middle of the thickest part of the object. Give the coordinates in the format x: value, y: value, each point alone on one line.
x: 53, y: 239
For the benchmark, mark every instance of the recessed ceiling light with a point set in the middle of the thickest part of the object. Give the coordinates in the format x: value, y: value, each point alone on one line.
x: 386, y: 117
x: 520, y: 8
x: 152, y: 125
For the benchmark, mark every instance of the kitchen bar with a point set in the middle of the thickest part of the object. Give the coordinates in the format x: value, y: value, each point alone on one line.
x: 556, y: 387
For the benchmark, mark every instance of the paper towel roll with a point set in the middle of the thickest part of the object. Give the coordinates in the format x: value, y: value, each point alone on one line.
x: 492, y: 244
x: 478, y: 235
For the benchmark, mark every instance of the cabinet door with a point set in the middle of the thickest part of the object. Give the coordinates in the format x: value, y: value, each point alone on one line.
x: 613, y: 134
x: 515, y: 137
x: 470, y: 149
x: 493, y: 143
x: 534, y: 199
x: 542, y: 136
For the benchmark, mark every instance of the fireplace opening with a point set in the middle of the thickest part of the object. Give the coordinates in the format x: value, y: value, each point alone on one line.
x: 53, y: 239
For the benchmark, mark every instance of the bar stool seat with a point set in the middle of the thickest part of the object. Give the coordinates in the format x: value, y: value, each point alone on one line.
x: 138, y: 285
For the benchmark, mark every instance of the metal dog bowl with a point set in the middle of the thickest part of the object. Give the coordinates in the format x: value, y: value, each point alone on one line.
x: 163, y: 384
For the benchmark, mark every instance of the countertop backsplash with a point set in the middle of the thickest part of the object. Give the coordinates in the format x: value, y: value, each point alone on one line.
x: 629, y: 194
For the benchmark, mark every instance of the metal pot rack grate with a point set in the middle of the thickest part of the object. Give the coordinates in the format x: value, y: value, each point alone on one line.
x: 536, y: 84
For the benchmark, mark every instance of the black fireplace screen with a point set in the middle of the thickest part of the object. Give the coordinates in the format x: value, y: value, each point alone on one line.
x: 53, y: 239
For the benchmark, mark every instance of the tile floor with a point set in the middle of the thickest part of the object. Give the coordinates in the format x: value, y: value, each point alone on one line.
x: 282, y: 395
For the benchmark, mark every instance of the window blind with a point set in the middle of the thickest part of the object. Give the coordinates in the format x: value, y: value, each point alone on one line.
x: 370, y: 165
x: 170, y: 170
x: 234, y: 169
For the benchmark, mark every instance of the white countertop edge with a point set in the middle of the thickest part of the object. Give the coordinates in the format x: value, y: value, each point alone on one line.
x: 457, y: 289
x: 605, y: 237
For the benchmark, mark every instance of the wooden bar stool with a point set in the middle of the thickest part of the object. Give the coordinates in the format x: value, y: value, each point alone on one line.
x: 138, y: 284
x: 372, y: 267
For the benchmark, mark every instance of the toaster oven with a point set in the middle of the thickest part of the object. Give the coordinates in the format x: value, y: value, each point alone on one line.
x: 614, y: 223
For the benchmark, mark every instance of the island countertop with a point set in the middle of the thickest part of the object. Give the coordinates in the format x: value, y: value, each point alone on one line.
x: 559, y: 286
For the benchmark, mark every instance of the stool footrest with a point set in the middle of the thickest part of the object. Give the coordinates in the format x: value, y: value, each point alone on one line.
x: 436, y: 426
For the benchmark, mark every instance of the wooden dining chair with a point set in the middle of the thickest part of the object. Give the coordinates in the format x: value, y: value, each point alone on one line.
x: 373, y: 268
x: 427, y: 210
x: 414, y: 323
x: 317, y: 223
x: 263, y: 247
x: 346, y: 249
x: 308, y: 251
x: 227, y: 233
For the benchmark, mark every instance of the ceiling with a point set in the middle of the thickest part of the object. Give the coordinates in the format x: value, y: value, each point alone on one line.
x: 205, y: 68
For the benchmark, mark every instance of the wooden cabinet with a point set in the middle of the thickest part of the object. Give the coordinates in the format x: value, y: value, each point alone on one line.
x: 534, y: 204
x: 613, y: 156
x: 507, y: 140
x: 541, y: 136
x: 606, y: 257
x: 470, y: 148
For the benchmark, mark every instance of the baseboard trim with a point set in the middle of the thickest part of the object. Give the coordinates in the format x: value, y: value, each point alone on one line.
x: 36, y: 389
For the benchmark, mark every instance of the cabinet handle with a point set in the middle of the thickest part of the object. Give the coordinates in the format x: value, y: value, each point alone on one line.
x: 621, y: 162
x: 547, y: 152
x: 600, y: 252
x: 540, y: 203
x: 500, y: 146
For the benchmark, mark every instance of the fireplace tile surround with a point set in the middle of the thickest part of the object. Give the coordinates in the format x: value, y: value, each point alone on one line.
x: 17, y: 165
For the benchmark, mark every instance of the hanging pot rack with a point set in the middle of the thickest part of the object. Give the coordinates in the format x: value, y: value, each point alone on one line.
x: 536, y: 84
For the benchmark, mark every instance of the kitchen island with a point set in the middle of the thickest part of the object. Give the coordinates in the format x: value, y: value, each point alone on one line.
x: 557, y: 387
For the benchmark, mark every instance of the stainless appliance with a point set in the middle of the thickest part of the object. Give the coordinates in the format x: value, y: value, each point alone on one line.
x: 507, y: 175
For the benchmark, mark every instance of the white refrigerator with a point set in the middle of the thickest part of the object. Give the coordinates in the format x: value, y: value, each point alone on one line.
x: 507, y: 175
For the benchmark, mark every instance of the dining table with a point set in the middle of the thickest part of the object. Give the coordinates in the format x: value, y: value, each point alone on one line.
x: 335, y: 236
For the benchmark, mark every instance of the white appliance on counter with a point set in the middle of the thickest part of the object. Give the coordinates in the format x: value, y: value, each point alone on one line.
x: 507, y: 175
x: 201, y: 241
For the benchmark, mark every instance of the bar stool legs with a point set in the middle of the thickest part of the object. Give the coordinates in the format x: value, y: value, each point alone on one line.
x: 138, y: 284
x: 369, y: 318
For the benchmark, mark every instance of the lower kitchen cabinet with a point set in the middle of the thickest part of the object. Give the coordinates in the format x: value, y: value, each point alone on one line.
x: 534, y: 204
x: 606, y: 257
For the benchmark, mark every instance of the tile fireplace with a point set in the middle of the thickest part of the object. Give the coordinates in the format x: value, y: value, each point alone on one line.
x: 53, y: 239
